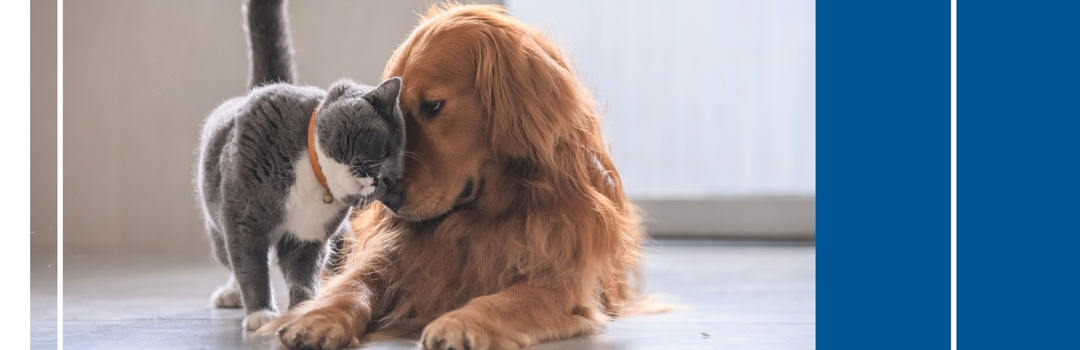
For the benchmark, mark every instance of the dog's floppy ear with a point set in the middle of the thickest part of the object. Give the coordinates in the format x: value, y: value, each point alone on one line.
x: 518, y: 83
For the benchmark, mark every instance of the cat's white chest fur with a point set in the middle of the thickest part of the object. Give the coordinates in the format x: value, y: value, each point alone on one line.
x: 306, y: 215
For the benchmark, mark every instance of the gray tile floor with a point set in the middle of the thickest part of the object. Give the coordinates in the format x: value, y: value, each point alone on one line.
x: 43, y: 298
x: 741, y: 295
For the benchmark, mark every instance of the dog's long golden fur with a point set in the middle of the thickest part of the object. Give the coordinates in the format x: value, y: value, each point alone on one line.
x: 512, y: 228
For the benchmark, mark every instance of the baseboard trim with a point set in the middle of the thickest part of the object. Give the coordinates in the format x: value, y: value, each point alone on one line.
x: 735, y: 218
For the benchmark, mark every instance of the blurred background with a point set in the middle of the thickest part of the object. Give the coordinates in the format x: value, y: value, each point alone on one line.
x: 709, y: 106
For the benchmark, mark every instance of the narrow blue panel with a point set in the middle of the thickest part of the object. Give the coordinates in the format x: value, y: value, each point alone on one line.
x: 1018, y: 225
x: 883, y: 178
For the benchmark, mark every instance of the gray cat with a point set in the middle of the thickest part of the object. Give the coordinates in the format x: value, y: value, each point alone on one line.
x: 256, y: 182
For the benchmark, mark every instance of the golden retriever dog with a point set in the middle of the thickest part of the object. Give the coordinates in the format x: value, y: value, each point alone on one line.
x: 510, y: 226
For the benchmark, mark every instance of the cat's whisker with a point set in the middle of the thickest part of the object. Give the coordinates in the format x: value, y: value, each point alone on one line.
x: 417, y: 158
x: 413, y: 156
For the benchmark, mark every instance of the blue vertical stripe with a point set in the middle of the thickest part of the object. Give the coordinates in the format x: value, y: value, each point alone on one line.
x: 1018, y: 175
x: 883, y: 204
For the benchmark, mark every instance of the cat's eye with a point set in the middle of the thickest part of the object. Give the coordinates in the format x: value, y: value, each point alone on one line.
x: 385, y: 154
x: 430, y: 109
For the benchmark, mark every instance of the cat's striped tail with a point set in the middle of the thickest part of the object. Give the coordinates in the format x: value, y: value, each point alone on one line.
x: 270, y: 48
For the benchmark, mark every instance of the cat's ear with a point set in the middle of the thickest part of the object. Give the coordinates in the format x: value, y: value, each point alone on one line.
x: 339, y: 89
x: 386, y: 94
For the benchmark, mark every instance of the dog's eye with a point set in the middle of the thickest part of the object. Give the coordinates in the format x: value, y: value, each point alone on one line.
x: 430, y: 109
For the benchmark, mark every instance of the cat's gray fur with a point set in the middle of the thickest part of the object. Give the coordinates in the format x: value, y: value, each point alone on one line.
x: 254, y: 180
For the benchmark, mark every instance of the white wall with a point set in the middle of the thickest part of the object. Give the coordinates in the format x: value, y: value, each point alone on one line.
x: 727, y: 118
x: 704, y: 99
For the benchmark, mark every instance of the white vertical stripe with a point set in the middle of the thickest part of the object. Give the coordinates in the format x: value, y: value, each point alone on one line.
x: 15, y: 141
x: 952, y: 195
x: 60, y: 174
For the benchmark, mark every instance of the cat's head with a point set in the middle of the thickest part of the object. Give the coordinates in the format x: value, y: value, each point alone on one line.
x: 361, y: 135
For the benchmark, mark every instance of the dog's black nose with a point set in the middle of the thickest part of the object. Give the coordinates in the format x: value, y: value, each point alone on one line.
x: 393, y: 198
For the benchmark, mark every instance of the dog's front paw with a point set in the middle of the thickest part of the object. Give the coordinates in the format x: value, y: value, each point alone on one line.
x: 458, y: 331
x: 257, y: 319
x: 319, y: 329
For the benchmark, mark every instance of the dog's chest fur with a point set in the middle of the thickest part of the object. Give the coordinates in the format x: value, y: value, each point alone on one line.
x: 442, y: 274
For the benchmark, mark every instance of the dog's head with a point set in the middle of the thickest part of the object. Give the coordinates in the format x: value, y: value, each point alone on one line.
x: 485, y: 98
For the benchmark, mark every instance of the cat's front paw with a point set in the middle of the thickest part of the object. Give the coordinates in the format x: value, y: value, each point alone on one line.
x: 227, y: 297
x: 257, y: 319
